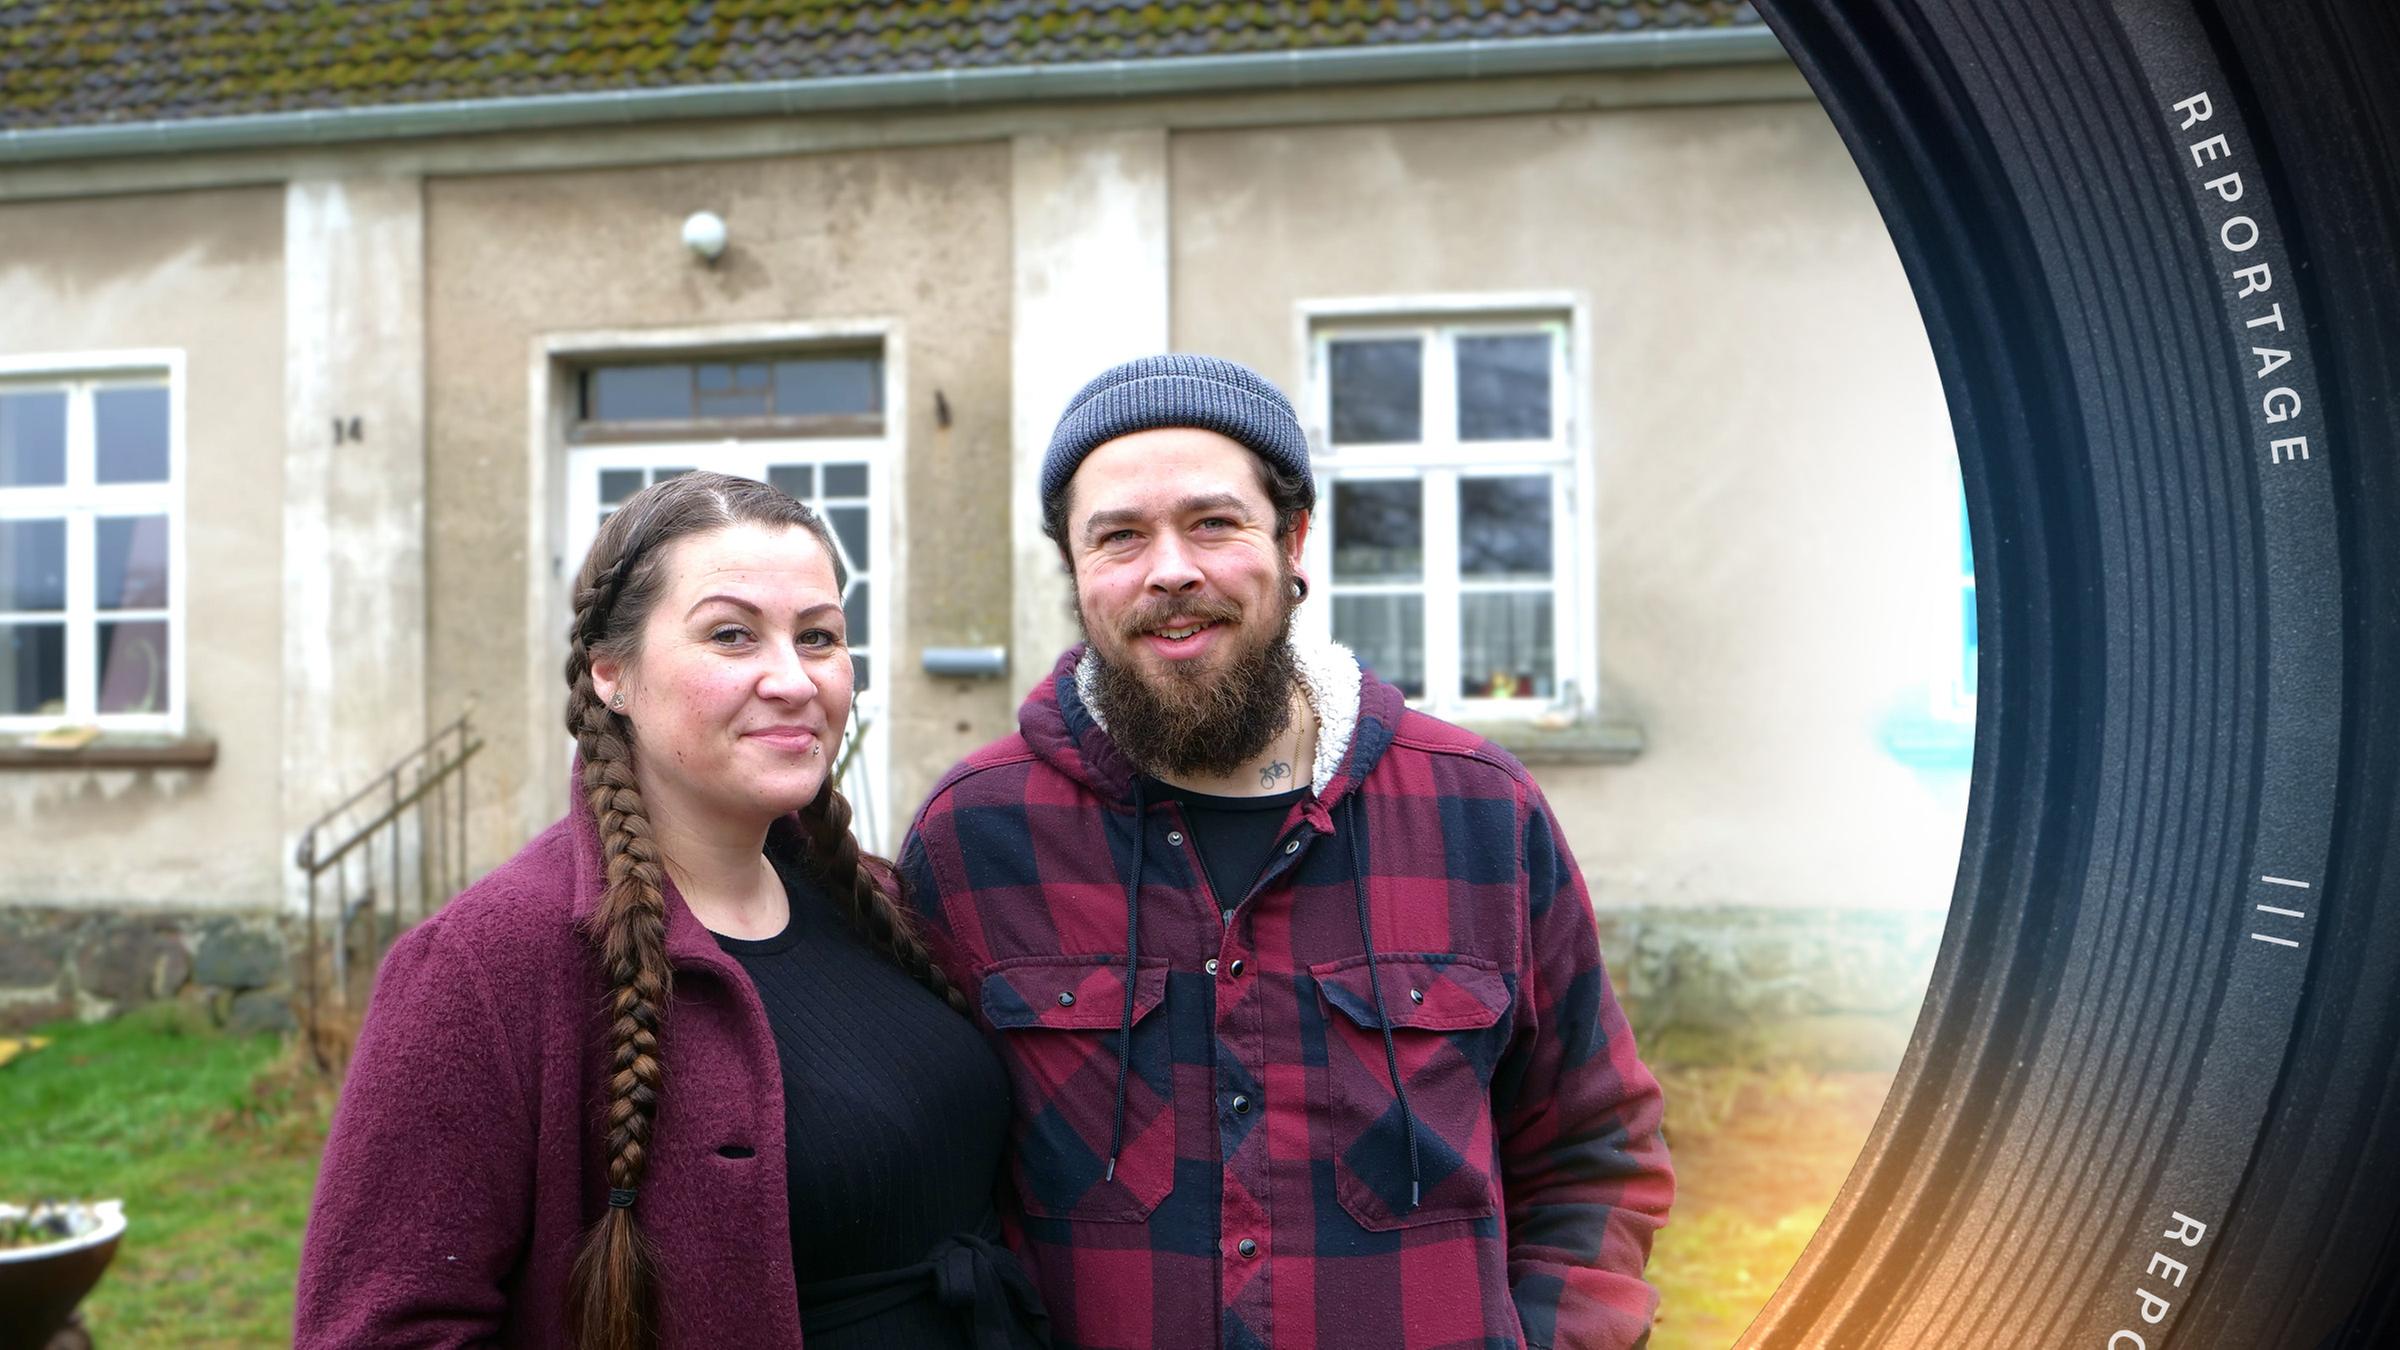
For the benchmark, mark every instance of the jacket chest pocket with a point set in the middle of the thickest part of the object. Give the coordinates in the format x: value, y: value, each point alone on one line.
x: 1443, y: 1013
x: 1058, y: 1018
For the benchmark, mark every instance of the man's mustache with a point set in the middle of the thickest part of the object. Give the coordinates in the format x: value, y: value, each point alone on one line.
x: 1156, y: 614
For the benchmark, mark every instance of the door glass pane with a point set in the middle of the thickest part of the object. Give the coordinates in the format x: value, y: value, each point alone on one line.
x: 618, y: 484
x: 33, y: 439
x: 652, y: 393
x: 734, y: 389
x: 1387, y: 632
x: 845, y: 480
x: 33, y: 668
x: 1504, y: 388
x: 855, y: 607
x: 1505, y: 645
x: 133, y: 666
x: 132, y: 572
x: 796, y: 480
x: 33, y: 565
x: 1378, y: 530
x: 129, y: 428
x: 850, y: 526
x: 816, y: 385
x: 1378, y: 391
x: 1504, y: 528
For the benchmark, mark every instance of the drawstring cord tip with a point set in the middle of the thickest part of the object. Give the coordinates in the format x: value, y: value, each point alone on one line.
x: 1412, y: 1195
x: 1112, y: 1171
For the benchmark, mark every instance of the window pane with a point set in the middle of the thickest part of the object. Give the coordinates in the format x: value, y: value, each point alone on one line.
x: 637, y: 393
x: 1504, y: 528
x: 845, y: 480
x: 1378, y: 391
x: 133, y: 666
x: 829, y: 384
x: 132, y: 562
x: 854, y: 610
x: 618, y: 484
x: 1504, y: 388
x: 33, y: 564
x: 662, y: 475
x: 33, y: 439
x: 858, y: 674
x: 129, y: 428
x: 1505, y: 645
x: 850, y: 526
x: 1379, y: 530
x: 33, y: 668
x: 1388, y: 634
x: 729, y: 389
x: 797, y: 480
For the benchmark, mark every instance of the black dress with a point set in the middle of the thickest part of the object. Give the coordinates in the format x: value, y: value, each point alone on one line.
x: 895, y: 1114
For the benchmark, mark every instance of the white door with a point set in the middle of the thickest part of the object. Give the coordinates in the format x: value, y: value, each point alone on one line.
x: 843, y: 480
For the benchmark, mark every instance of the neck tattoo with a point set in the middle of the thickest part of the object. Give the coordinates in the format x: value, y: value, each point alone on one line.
x: 1273, y: 775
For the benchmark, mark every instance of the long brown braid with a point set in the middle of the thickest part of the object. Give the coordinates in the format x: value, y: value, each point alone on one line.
x: 613, y: 1295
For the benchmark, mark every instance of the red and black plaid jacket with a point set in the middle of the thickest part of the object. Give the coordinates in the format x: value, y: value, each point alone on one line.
x: 1261, y: 1192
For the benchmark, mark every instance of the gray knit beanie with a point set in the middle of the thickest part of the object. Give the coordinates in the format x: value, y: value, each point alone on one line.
x: 1175, y: 390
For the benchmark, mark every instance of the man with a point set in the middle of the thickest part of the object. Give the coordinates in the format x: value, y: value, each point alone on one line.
x: 1299, y: 989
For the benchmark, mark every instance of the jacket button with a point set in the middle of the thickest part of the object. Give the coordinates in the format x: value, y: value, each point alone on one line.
x: 1175, y: 837
x: 1241, y: 1105
x: 1246, y: 1247
x: 1236, y: 969
x: 1416, y: 996
x: 1066, y: 1000
x: 1209, y: 965
x: 1292, y: 847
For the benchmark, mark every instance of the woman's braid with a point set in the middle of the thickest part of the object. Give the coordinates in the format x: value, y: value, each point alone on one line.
x: 614, y: 1291
x: 841, y: 866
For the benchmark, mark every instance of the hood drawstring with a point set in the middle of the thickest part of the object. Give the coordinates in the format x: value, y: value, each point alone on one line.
x: 1391, y: 1056
x: 1133, y: 933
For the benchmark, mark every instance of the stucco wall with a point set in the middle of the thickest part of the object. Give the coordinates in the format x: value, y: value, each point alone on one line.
x: 918, y: 238
x: 203, y: 272
x: 1775, y: 486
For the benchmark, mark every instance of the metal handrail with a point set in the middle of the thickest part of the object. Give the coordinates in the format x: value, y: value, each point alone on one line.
x: 416, y: 811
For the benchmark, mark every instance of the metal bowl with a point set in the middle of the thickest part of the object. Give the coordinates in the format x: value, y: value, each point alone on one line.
x: 40, y: 1286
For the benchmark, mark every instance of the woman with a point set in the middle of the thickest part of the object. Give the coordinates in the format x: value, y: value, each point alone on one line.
x: 679, y: 1073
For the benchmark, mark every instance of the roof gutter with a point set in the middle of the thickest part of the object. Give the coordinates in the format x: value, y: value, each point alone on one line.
x: 949, y: 88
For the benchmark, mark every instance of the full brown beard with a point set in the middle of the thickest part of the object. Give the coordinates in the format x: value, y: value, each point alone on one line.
x: 1201, y: 723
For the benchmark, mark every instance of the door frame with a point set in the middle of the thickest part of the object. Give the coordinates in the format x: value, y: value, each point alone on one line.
x: 552, y: 362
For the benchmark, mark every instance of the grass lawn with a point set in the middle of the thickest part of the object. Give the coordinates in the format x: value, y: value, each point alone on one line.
x: 212, y: 1143
x: 1759, y: 1154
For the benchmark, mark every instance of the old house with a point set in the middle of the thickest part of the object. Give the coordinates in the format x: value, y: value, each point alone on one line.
x: 328, y: 336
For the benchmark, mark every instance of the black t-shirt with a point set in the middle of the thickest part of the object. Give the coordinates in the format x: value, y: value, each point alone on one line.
x: 1235, y: 835
x: 895, y: 1112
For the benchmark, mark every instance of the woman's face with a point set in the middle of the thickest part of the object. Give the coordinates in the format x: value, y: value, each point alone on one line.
x: 741, y: 688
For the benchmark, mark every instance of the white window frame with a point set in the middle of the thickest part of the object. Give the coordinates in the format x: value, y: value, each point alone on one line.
x: 1440, y: 460
x: 81, y: 501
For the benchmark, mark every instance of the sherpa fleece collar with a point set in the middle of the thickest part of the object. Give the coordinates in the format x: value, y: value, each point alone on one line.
x: 1356, y: 715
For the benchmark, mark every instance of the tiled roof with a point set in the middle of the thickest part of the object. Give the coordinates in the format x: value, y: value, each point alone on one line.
x: 92, y: 62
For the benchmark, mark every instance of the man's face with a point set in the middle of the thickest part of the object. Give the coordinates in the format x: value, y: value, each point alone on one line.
x: 1181, y: 583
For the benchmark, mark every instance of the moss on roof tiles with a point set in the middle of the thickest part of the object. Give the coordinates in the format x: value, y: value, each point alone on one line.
x: 82, y: 62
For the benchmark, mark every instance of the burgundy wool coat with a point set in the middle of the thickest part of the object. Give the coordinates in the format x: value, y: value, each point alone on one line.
x: 466, y: 1159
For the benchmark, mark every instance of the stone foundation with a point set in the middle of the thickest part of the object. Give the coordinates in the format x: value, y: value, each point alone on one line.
x: 95, y: 963
x: 1823, y: 988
